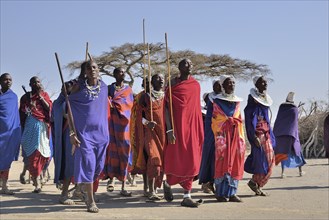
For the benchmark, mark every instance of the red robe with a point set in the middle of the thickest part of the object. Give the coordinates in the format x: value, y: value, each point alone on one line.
x: 182, y: 159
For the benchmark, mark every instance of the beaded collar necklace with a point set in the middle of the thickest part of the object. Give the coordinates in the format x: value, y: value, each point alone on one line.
x: 93, y: 91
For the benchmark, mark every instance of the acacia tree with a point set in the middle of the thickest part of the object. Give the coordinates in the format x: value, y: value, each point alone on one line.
x: 131, y: 57
x: 311, y: 128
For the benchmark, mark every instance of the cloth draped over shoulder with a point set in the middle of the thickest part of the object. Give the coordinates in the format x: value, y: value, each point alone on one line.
x: 118, y: 156
x: 31, y: 104
x: 136, y: 137
x: 35, y: 119
x: 90, y: 120
x: 150, y: 144
x: 230, y: 145
x: 286, y: 124
x: 182, y: 159
x: 63, y: 158
x: 10, y: 129
x: 257, y: 162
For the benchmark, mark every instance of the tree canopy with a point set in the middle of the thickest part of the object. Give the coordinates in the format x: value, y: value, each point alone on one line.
x: 133, y: 56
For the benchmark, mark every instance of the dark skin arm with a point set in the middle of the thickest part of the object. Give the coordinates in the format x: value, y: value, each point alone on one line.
x: 142, y: 102
x: 73, y: 136
x: 170, y: 134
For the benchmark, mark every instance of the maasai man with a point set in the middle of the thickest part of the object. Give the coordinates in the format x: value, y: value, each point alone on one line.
x: 261, y: 160
x: 35, y: 108
x: 206, y: 176
x: 63, y: 158
x: 136, y: 142
x: 89, y: 105
x: 182, y: 154
x: 288, y: 150
x: 226, y: 124
x: 118, y: 152
x: 10, y: 130
x: 151, y: 135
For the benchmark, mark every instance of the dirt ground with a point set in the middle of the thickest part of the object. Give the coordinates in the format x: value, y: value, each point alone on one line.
x: 293, y: 197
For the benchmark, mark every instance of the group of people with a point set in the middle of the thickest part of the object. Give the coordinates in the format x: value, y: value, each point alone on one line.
x: 100, y: 132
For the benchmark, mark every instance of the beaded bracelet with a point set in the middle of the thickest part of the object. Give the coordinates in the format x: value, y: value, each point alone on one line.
x: 72, y: 133
x: 169, y: 131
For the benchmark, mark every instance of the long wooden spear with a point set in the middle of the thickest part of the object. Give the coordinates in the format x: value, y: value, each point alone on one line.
x: 86, y: 56
x: 69, y: 110
x: 150, y: 85
x: 144, y: 69
x: 169, y: 87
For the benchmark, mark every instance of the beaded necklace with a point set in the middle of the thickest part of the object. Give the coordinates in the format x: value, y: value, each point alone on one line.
x: 157, y: 94
x: 117, y: 88
x: 93, y: 91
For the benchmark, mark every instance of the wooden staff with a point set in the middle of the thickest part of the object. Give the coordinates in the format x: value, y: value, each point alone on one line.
x: 144, y: 69
x: 24, y: 89
x: 150, y: 86
x: 90, y: 57
x: 86, y: 56
x: 69, y: 111
x: 169, y: 87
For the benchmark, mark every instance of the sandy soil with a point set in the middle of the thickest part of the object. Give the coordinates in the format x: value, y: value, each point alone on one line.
x: 291, y: 198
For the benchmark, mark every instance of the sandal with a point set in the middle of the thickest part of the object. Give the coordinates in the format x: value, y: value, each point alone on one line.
x: 221, y: 199
x: 7, y: 192
x: 207, y: 188
x: 22, y: 179
x: 146, y: 194
x: 253, y: 186
x: 261, y: 193
x: 125, y: 193
x: 92, y: 208
x: 65, y: 200
x: 235, y: 198
x: 36, y: 190
x: 154, y: 197
x: 110, y: 185
x: 188, y: 202
x: 168, y: 195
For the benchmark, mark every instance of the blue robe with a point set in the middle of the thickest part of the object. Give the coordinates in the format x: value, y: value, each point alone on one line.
x: 256, y: 162
x: 63, y: 159
x: 10, y: 129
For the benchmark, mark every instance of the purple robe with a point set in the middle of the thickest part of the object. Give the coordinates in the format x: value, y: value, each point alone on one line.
x: 10, y: 129
x: 285, y: 128
x: 91, y: 123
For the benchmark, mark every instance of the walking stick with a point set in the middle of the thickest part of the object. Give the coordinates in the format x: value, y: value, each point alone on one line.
x: 150, y: 86
x: 69, y: 111
x: 24, y: 89
x: 169, y: 87
x: 144, y: 69
x: 87, y: 53
x: 86, y: 56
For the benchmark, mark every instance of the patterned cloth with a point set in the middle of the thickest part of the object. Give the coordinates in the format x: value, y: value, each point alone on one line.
x: 149, y: 144
x: 118, y: 155
x: 36, y: 139
x: 261, y: 160
x: 136, y: 138
x: 90, y: 120
x: 229, y: 146
x: 10, y: 129
x: 182, y: 159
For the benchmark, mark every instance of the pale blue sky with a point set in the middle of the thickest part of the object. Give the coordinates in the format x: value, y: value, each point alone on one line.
x: 291, y: 37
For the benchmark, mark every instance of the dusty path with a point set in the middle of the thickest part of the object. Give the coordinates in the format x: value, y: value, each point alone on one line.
x: 290, y: 198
